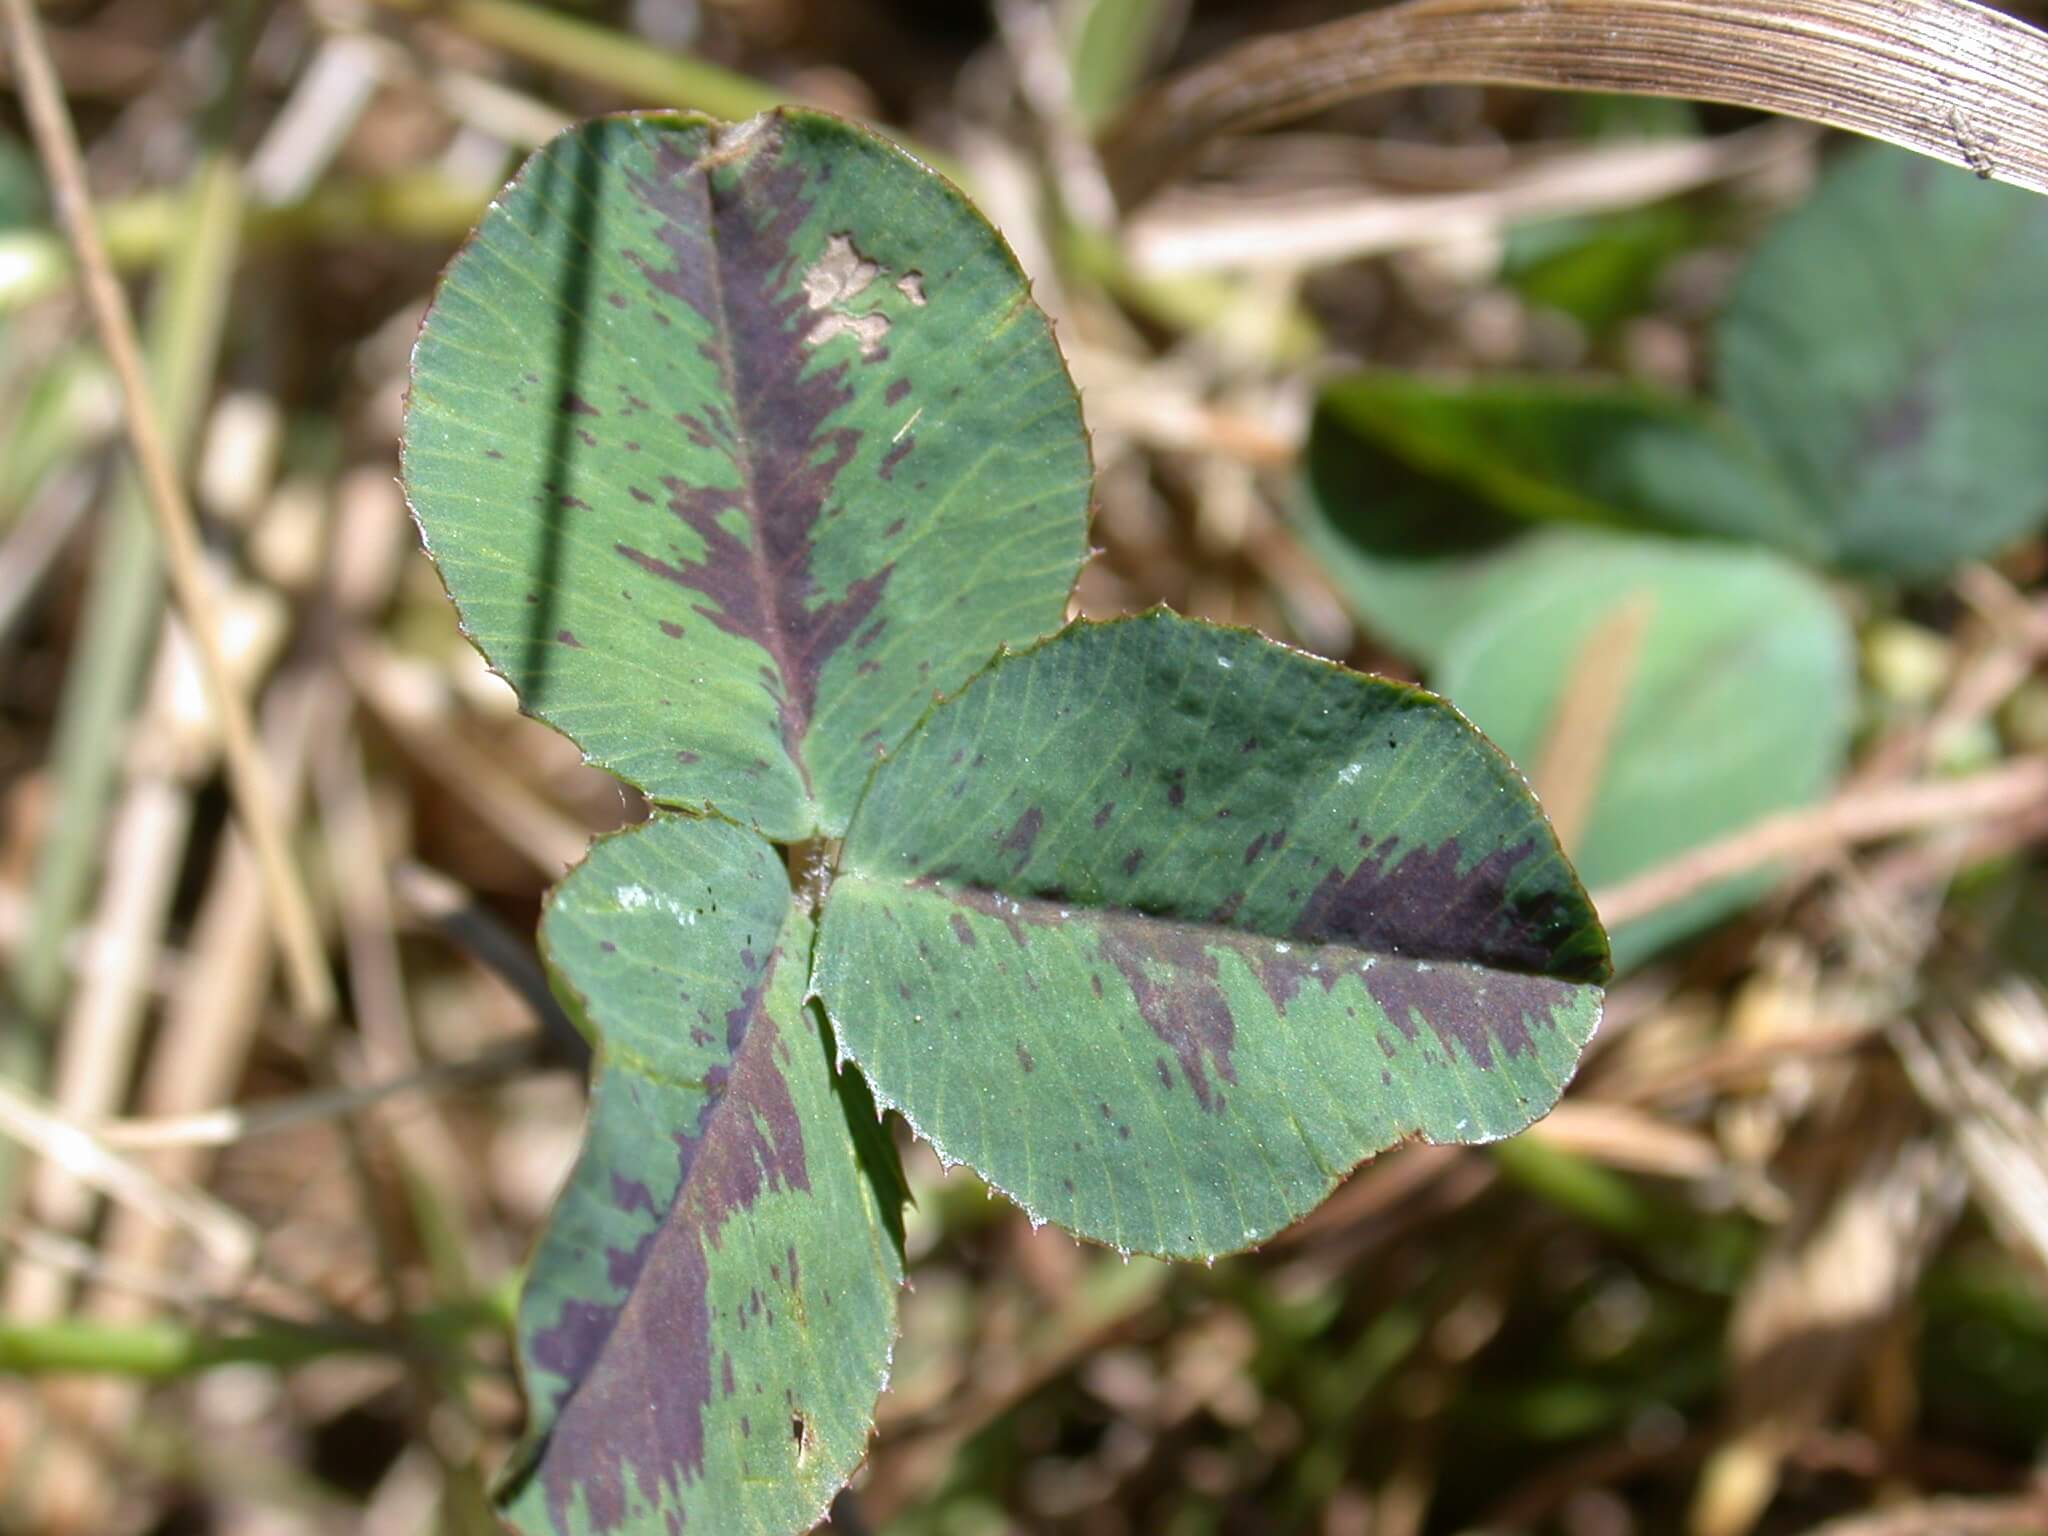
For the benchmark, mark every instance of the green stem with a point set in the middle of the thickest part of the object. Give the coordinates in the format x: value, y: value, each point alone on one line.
x: 1708, y: 1252
x: 413, y: 205
x: 1597, y: 1196
x: 606, y: 57
x: 167, y: 1351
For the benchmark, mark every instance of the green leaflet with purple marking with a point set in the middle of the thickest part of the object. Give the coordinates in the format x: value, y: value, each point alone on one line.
x: 734, y: 446
x: 1163, y: 928
x: 709, y: 1317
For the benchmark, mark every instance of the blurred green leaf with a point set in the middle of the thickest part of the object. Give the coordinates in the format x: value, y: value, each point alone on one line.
x: 1551, y: 450
x: 21, y: 185
x: 1881, y: 363
x: 1598, y: 270
x: 1111, y: 44
x: 1888, y: 344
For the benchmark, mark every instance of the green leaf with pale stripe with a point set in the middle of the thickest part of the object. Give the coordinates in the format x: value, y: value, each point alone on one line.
x: 708, y: 1320
x: 1737, y: 700
x: 1163, y: 928
x: 735, y: 445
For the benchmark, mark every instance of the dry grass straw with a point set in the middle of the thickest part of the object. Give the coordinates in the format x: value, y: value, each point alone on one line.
x: 290, y: 909
x: 1954, y: 80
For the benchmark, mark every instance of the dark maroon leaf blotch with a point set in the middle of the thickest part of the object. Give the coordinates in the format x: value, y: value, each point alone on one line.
x: 1023, y: 835
x: 759, y: 587
x: 644, y: 1419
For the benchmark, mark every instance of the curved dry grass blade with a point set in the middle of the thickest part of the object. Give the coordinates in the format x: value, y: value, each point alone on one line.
x: 1950, y: 79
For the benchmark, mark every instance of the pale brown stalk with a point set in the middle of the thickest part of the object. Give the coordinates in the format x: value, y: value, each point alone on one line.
x: 1859, y: 816
x: 289, y: 908
x: 1577, y: 746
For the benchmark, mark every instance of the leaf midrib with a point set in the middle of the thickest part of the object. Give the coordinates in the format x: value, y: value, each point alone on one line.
x: 1226, y: 935
x: 776, y: 641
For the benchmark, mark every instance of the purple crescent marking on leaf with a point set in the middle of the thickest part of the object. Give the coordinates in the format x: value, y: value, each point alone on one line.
x: 639, y: 1371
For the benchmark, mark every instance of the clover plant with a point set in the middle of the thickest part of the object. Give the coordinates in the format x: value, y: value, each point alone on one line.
x: 749, y: 461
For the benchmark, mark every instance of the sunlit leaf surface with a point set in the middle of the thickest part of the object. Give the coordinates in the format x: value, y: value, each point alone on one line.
x: 708, y: 1319
x: 733, y: 445
x: 1164, y: 927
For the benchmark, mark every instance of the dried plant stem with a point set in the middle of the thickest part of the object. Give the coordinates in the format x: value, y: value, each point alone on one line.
x: 1949, y: 1516
x: 1948, y: 78
x: 224, y: 1127
x: 386, y: 685
x: 1856, y: 817
x: 221, y: 1232
x: 96, y: 1047
x: 432, y: 898
x: 210, y: 1019
x: 291, y: 910
x: 119, y: 627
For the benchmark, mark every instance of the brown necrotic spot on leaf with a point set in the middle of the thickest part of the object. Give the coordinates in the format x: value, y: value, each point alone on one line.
x: 840, y: 273
x: 640, y: 1371
x: 837, y: 277
x: 867, y: 329
x: 728, y: 224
